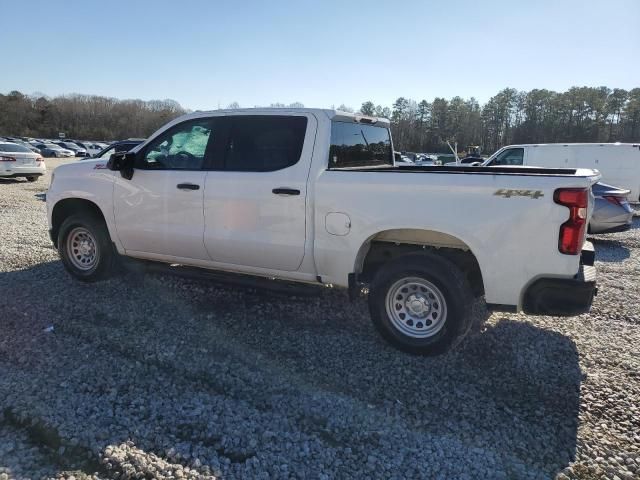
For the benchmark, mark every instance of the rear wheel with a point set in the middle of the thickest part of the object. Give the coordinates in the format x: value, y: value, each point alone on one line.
x: 421, y: 303
x: 85, y: 247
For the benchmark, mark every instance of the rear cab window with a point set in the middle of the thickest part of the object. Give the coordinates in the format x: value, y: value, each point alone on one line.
x: 357, y: 145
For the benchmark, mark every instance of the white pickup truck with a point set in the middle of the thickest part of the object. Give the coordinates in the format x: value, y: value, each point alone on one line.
x: 313, y: 195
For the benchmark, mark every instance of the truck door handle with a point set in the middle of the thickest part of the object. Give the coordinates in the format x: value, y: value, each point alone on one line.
x: 188, y: 186
x: 286, y: 191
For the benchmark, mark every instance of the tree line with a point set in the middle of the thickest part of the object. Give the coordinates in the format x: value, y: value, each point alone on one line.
x: 87, y: 117
x: 580, y: 114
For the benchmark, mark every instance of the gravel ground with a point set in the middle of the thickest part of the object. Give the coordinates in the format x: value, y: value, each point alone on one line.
x: 156, y: 376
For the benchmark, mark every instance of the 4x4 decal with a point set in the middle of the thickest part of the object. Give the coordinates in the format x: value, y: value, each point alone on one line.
x: 534, y: 194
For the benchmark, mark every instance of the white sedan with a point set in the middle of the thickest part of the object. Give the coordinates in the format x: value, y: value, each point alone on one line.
x: 19, y: 161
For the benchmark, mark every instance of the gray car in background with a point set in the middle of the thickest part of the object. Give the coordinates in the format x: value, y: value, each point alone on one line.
x: 77, y: 150
x: 612, y: 212
x: 52, y: 150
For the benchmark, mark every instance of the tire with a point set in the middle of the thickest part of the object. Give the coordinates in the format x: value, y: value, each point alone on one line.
x: 85, y: 248
x: 421, y: 303
x: 32, y: 179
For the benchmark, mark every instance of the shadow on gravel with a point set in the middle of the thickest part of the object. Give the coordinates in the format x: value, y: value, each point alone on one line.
x: 239, y: 378
x: 609, y: 250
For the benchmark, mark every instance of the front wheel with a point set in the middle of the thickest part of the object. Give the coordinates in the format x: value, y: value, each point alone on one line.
x: 85, y: 247
x: 420, y: 303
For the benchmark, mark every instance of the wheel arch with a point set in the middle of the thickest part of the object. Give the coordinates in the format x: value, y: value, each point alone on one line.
x: 387, y: 245
x: 69, y: 206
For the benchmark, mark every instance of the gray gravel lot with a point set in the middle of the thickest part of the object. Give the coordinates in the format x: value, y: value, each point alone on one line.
x: 156, y: 376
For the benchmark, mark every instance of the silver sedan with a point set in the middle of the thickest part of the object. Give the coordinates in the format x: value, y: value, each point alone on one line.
x: 612, y: 212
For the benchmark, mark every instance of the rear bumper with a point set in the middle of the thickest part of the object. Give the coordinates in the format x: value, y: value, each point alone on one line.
x: 564, y: 297
x: 21, y: 174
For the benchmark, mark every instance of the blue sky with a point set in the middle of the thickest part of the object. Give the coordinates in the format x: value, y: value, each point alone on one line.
x: 206, y: 54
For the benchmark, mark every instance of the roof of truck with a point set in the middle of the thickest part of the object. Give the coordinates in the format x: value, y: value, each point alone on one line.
x: 330, y: 113
x: 317, y: 112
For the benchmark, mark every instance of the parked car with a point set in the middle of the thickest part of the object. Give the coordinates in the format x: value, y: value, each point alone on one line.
x: 313, y: 195
x: 612, y: 212
x: 77, y: 142
x: 472, y: 160
x: 18, y: 161
x: 119, y: 146
x: 619, y: 163
x: 27, y: 145
x: 424, y: 159
x: 403, y: 160
x: 76, y: 149
x: 94, y: 148
x: 53, y: 150
x: 467, y: 162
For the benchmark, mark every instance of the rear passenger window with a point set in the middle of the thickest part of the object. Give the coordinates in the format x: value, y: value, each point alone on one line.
x: 264, y: 143
x: 358, y: 145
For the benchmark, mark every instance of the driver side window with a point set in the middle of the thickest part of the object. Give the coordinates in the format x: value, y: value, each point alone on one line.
x: 182, y: 147
x: 511, y: 156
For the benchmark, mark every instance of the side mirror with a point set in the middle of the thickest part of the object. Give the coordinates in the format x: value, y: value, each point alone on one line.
x: 122, y: 162
x: 115, y: 161
x: 397, y: 157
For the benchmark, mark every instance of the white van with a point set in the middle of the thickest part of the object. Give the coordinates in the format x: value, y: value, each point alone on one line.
x: 619, y: 163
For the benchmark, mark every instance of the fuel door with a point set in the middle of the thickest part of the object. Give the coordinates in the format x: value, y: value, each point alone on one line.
x: 337, y: 223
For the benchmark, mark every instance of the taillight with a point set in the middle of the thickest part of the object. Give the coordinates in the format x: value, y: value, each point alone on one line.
x: 615, y: 200
x: 572, y: 231
x: 6, y: 159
